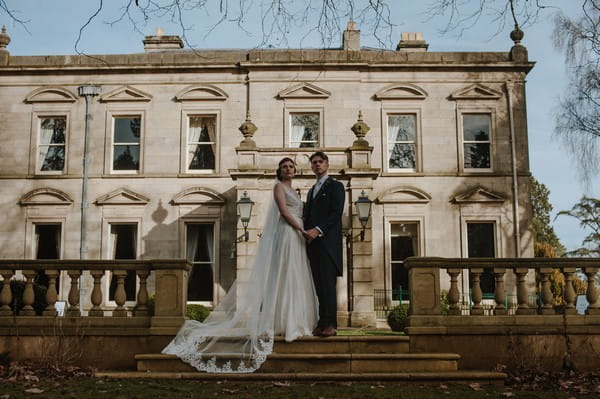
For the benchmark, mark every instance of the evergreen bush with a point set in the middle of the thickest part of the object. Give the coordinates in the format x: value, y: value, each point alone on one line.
x: 197, y: 312
x: 398, y: 318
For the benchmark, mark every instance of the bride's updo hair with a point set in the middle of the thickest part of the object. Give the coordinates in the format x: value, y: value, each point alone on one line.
x: 284, y: 160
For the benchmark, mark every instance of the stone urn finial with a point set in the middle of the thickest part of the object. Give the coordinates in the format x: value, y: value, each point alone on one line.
x: 248, y: 129
x: 4, y: 39
x: 517, y: 35
x: 360, y: 129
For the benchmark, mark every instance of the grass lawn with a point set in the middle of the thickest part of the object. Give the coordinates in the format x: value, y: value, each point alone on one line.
x: 89, y: 387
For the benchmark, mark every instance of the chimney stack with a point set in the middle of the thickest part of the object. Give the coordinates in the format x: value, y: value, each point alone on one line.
x: 160, y: 42
x: 351, y: 38
x: 411, y: 42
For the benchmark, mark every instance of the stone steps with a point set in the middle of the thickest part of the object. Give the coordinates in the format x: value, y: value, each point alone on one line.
x: 340, y: 358
x: 324, y: 362
x: 482, y: 377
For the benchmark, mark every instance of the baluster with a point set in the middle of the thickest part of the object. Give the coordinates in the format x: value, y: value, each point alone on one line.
x: 51, y: 294
x: 476, y: 294
x: 96, y: 298
x: 569, y: 292
x: 6, y: 294
x: 523, y: 308
x: 546, y: 293
x: 28, y: 294
x: 499, y: 295
x: 141, y: 308
x: 592, y: 292
x: 73, y: 309
x: 120, y: 296
x: 453, y: 294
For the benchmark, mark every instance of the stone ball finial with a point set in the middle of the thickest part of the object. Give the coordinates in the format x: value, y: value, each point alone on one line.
x: 248, y: 129
x: 517, y: 35
x: 4, y: 38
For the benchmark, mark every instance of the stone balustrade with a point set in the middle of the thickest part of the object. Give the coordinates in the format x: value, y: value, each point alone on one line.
x: 170, y: 280
x: 425, y: 294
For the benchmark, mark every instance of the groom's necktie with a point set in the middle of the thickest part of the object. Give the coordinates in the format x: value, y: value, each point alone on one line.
x: 317, y: 187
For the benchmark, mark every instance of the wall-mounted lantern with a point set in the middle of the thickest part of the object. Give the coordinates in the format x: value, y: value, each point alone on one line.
x: 244, y: 206
x: 363, y: 206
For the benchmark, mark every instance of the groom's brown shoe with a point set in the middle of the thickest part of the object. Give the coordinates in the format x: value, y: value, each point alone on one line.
x: 317, y: 331
x: 328, y: 332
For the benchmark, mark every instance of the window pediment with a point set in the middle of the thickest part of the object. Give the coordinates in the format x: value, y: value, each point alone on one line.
x: 478, y: 195
x: 46, y: 196
x: 122, y: 196
x: 304, y: 90
x: 197, y: 196
x: 201, y: 93
x: 401, y: 91
x: 125, y: 94
x: 51, y: 95
x: 404, y: 195
x: 476, y: 92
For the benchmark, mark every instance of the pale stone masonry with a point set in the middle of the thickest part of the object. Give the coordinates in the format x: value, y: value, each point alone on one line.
x: 445, y: 159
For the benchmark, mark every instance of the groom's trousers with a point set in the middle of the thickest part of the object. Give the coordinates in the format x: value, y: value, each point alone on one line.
x: 324, y: 275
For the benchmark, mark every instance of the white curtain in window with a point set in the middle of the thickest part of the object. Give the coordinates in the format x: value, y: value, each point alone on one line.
x: 296, y: 135
x: 211, y: 133
x: 58, y: 233
x: 192, y: 242
x: 113, y: 241
x: 393, y: 127
x: 134, y: 241
x: 210, y: 243
x: 193, y: 136
x: 46, y: 133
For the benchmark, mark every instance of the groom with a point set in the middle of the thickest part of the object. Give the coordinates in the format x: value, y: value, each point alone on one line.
x: 323, y: 224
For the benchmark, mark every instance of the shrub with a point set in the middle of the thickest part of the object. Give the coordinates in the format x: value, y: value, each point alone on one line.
x: 18, y: 287
x: 197, y: 312
x: 444, y: 305
x: 398, y: 318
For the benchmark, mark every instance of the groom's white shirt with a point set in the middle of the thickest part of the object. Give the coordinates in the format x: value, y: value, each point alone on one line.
x: 316, y: 189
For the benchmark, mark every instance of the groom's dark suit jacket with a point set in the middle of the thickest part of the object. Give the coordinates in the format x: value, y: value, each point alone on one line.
x: 325, y: 211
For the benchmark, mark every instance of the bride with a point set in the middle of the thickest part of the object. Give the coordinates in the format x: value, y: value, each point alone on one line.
x: 278, y: 299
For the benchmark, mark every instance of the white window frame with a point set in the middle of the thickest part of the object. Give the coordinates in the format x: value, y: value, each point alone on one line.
x: 110, y: 143
x: 216, y: 242
x: 295, y: 110
x: 414, y: 142
x: 391, y: 109
x: 461, y: 138
x: 30, y: 246
x: 107, y: 251
x: 397, y: 219
x: 48, y: 111
x: 38, y: 166
x: 185, y: 161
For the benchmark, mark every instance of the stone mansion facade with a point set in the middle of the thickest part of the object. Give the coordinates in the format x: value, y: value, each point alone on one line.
x: 144, y: 156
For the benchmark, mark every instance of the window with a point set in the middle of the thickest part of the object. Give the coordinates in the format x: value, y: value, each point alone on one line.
x: 402, y: 141
x: 51, y: 148
x: 123, y: 243
x: 304, y: 130
x: 126, y: 143
x: 404, y: 243
x: 47, y: 242
x: 200, y: 253
x: 201, y: 142
x: 480, y: 244
x: 476, y: 141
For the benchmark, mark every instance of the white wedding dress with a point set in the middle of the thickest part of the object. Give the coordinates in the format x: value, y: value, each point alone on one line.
x: 279, y: 298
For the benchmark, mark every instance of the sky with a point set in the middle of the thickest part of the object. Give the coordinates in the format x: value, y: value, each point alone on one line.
x: 52, y: 28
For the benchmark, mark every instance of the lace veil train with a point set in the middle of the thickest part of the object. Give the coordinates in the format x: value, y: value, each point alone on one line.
x: 238, y: 334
